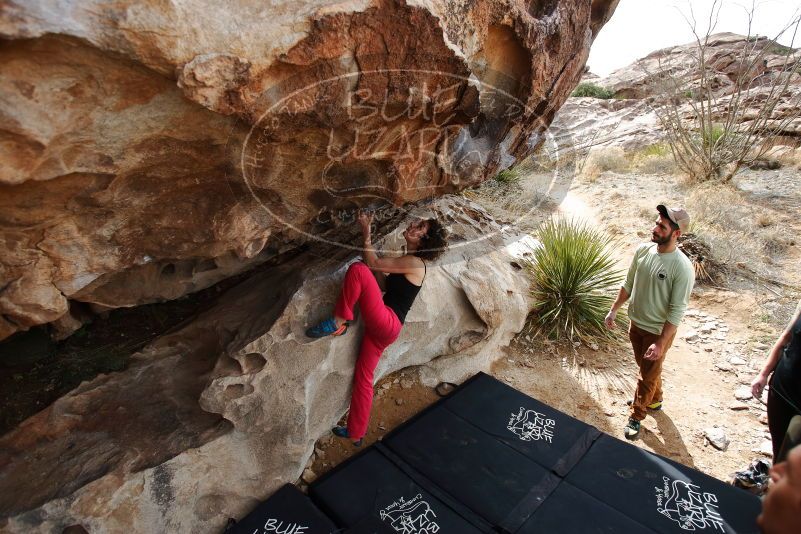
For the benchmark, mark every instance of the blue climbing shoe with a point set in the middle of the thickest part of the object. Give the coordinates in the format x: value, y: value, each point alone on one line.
x: 342, y: 432
x: 327, y: 327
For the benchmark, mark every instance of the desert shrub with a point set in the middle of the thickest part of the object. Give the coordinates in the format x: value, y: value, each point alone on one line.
x: 654, y: 159
x: 602, y: 159
x: 589, y: 89
x: 509, y: 177
x: 574, y: 282
x: 714, y: 134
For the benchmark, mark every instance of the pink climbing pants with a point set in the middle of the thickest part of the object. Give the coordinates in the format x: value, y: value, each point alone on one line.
x: 381, y: 329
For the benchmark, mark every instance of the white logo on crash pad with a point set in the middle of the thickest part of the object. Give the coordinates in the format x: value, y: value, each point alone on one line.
x: 531, y: 425
x: 412, y: 516
x: 690, y: 508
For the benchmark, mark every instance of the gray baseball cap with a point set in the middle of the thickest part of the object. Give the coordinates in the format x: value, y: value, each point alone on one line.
x: 678, y: 215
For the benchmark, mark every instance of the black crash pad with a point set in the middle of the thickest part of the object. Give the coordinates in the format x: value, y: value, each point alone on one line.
x: 486, y: 475
x: 544, y: 434
x: 287, y: 511
x: 662, y: 494
x: 568, y: 510
x: 376, y: 485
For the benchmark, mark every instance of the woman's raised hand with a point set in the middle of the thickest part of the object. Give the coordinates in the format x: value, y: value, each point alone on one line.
x: 365, y: 219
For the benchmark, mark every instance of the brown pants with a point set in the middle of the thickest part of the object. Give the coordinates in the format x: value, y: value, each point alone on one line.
x: 649, y: 383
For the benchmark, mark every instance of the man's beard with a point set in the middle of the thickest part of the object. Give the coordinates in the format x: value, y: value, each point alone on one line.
x: 660, y: 241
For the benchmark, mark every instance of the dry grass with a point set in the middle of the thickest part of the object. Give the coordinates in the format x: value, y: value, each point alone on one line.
x: 726, y: 223
x: 654, y: 159
x: 603, y: 159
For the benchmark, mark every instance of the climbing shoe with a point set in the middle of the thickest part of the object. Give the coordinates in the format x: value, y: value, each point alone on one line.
x: 327, y: 327
x: 342, y: 432
x: 653, y: 406
x: 632, y: 429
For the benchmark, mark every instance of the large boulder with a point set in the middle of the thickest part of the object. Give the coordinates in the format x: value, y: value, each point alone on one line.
x: 216, y: 415
x: 152, y: 149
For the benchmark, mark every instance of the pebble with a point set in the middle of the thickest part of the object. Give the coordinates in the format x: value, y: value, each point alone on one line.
x: 407, y: 383
x: 386, y: 385
x: 737, y: 406
x: 763, y: 419
x: 743, y: 393
x: 766, y: 448
x: 398, y: 402
x: 761, y: 346
x: 736, y: 360
x: 717, y: 438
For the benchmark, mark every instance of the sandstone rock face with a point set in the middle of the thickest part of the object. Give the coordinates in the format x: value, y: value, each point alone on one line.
x: 629, y: 120
x: 213, y: 417
x: 151, y: 149
x: 641, y: 79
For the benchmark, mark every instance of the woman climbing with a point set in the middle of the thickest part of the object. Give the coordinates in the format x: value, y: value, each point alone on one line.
x: 383, y: 318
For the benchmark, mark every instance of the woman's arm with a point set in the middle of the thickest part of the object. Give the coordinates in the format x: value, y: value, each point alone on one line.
x: 773, y: 358
x: 403, y: 265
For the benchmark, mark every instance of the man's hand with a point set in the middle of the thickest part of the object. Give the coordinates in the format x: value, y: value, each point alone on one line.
x: 609, y: 321
x: 654, y: 352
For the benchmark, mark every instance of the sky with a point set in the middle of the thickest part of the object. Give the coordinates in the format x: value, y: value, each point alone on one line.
x: 639, y: 27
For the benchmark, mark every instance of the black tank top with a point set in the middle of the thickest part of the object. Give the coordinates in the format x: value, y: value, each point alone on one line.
x: 786, y: 380
x: 401, y: 293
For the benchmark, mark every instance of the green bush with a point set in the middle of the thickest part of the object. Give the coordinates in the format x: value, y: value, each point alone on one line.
x: 594, y: 91
x: 575, y: 282
x: 712, y: 134
x: 508, y: 177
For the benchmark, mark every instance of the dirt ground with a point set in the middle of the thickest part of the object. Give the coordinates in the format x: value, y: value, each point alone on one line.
x: 719, y: 347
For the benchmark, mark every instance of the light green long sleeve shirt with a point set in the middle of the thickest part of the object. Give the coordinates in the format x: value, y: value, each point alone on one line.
x: 659, y: 287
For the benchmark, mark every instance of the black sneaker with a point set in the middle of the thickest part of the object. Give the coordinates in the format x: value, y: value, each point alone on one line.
x: 632, y: 429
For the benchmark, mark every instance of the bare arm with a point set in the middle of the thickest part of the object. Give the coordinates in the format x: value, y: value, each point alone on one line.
x: 773, y: 357
x: 403, y: 265
x: 622, y: 297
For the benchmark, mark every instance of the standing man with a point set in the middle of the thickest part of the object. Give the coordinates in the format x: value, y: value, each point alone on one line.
x: 659, y: 282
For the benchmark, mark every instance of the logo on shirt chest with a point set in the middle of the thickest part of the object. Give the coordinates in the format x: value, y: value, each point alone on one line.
x: 662, y: 275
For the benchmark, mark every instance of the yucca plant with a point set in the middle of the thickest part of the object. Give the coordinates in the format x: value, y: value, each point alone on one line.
x: 574, y: 282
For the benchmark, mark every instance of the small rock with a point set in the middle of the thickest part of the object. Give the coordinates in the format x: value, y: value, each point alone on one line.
x: 721, y: 366
x: 743, y: 393
x: 308, y: 476
x: 386, y: 385
x: 593, y: 346
x: 691, y: 336
x: 766, y: 448
x: 737, y: 406
x: 761, y: 346
x: 717, y: 438
x: 609, y: 413
x: 736, y: 360
x: 708, y: 349
x: 763, y: 419
x: 398, y: 402
x: 407, y: 383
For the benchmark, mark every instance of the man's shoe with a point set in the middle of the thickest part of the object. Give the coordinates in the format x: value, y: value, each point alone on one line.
x: 327, y: 327
x: 342, y: 432
x: 632, y: 429
x: 653, y: 406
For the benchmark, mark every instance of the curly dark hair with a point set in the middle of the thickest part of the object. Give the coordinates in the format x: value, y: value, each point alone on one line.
x: 434, y: 243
